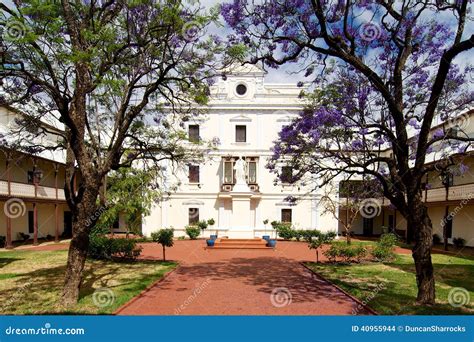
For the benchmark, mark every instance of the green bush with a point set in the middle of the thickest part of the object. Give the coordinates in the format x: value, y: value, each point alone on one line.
x: 193, y: 232
x: 348, y: 253
x: 388, y: 240
x: 310, y: 234
x: 3, y: 241
x: 211, y: 222
x: 381, y: 253
x: 459, y: 242
x: 283, y: 230
x: 383, y: 250
x: 202, y: 224
x: 102, y: 247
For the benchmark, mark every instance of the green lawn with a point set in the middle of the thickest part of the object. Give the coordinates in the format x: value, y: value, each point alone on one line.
x: 30, y: 282
x: 390, y: 288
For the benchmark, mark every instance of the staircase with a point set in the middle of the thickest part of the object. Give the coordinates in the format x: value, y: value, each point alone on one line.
x: 256, y: 243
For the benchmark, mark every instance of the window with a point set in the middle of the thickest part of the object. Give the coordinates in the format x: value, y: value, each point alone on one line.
x: 193, y: 173
x: 193, y: 132
x: 193, y: 216
x: 252, y: 172
x: 286, y: 174
x: 241, y: 89
x: 286, y: 215
x: 31, y: 222
x: 228, y: 172
x: 240, y: 133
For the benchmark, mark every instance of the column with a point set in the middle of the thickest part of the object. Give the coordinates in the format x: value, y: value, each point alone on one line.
x: 221, y: 224
x: 56, y: 206
x: 8, y: 244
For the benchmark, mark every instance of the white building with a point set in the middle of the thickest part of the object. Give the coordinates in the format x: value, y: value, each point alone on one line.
x: 246, y: 114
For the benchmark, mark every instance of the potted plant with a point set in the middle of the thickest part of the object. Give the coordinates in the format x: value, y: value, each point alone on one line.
x: 210, y: 242
x: 265, y: 237
x: 211, y: 223
x: 271, y: 243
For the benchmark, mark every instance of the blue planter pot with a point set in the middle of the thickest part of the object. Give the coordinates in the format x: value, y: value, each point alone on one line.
x: 210, y: 243
x: 266, y: 237
x: 214, y: 237
x: 272, y: 243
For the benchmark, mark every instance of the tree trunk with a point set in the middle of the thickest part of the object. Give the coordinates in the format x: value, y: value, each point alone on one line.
x: 420, y: 224
x: 164, y: 253
x: 82, y: 225
x: 75, y: 265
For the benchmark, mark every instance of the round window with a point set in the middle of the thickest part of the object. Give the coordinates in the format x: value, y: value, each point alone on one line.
x: 241, y: 89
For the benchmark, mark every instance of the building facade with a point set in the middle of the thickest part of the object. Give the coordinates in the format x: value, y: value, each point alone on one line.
x: 246, y: 114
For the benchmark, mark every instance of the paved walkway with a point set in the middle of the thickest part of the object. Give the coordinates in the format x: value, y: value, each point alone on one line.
x: 239, y: 282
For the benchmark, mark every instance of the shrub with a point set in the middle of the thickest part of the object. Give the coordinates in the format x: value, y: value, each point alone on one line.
x: 193, y: 232
x: 459, y: 242
x: 3, y: 241
x: 388, y: 240
x: 436, y: 239
x: 383, y: 251
x: 283, y: 230
x: 202, y: 224
x: 102, y: 247
x: 211, y: 222
x: 297, y: 234
x: 311, y: 234
x: 165, y: 238
x: 348, y: 253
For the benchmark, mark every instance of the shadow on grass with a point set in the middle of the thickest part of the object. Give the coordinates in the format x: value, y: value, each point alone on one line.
x: 38, y: 291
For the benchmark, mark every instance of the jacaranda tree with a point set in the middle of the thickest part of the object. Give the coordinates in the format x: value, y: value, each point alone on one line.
x: 117, y: 75
x: 383, y: 70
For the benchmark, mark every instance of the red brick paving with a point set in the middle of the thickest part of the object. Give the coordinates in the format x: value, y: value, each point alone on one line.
x: 239, y: 282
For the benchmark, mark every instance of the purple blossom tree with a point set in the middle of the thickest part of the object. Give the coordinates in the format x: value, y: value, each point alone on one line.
x: 382, y: 71
x: 112, y: 73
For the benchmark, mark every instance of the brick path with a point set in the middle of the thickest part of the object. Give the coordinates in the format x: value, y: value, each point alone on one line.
x: 239, y: 282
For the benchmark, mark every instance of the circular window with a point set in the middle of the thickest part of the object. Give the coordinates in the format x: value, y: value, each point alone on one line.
x: 241, y: 89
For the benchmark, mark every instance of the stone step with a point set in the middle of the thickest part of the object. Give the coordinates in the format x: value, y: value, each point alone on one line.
x: 256, y: 243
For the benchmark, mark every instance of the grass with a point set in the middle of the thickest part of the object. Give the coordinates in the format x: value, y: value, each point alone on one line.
x: 390, y: 288
x: 31, y: 282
